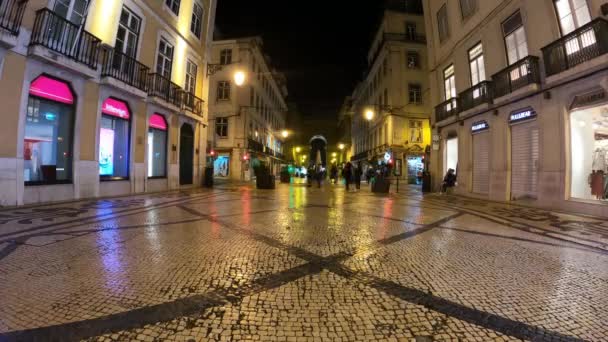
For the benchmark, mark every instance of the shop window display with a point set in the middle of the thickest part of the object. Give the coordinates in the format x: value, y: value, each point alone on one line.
x: 157, y: 146
x: 589, y: 153
x: 114, y: 140
x: 221, y: 166
x: 47, y: 146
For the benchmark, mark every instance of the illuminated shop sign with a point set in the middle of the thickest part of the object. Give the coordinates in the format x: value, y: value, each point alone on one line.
x: 115, y: 108
x: 522, y: 115
x: 480, y: 126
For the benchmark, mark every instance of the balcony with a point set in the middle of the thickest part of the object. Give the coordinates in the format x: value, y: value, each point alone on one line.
x: 162, y: 88
x: 446, y: 109
x: 584, y: 44
x: 516, y: 76
x: 192, y: 103
x: 404, y: 37
x: 255, y: 146
x: 11, y: 14
x: 126, y: 69
x: 59, y: 35
x: 476, y: 95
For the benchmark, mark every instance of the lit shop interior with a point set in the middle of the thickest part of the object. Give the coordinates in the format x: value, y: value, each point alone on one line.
x: 589, y: 153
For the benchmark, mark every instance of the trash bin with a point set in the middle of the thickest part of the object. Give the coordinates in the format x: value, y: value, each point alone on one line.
x: 426, y: 182
x: 208, y: 181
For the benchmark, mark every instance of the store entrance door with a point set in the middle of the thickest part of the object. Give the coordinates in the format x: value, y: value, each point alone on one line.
x: 186, y: 154
x: 525, y: 153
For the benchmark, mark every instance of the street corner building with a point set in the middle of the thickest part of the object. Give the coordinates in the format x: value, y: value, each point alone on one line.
x: 102, y: 97
x: 520, y: 96
x: 248, y: 115
x: 390, y: 107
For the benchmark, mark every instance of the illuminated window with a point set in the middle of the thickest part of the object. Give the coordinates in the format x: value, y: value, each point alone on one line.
x: 572, y: 15
x: 157, y: 146
x: 114, y: 140
x: 223, y: 90
x: 413, y: 60
x: 173, y: 5
x: 72, y: 10
x: 515, y: 38
x: 221, y: 127
x: 197, y: 19
x: 226, y: 57
x: 442, y: 23
x: 164, y: 60
x: 49, y: 126
x: 449, y: 82
x: 415, y: 93
x: 478, y: 72
x: 128, y: 33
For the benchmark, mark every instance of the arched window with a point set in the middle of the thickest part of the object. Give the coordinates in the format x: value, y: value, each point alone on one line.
x: 49, y: 130
x: 157, y: 146
x: 114, y: 140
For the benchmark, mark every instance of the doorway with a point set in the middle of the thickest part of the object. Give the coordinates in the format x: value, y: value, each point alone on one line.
x: 186, y: 154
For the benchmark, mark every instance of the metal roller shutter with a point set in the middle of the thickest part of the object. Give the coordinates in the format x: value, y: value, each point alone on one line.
x: 525, y: 151
x: 481, y: 163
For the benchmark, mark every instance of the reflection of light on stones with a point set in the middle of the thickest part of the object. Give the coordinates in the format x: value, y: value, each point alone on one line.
x: 246, y: 205
x: 111, y: 257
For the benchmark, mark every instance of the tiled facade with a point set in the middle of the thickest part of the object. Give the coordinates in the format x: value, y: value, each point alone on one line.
x: 246, y: 121
x: 395, y: 88
x: 520, y: 96
x: 92, y: 107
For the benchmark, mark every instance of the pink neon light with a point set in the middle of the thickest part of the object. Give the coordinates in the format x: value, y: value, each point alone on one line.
x: 51, y: 89
x: 158, y: 121
x: 115, y: 108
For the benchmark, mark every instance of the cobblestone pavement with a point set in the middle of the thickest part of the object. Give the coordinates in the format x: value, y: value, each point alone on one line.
x: 300, y: 264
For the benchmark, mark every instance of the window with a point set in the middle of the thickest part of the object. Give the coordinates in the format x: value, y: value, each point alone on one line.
x: 410, y: 30
x: 468, y: 8
x: 449, y: 82
x: 197, y: 20
x: 164, y: 59
x: 478, y: 72
x: 413, y: 60
x: 173, y: 6
x: 223, y: 90
x: 72, y: 10
x: 114, y: 140
x: 191, y: 70
x: 415, y: 92
x: 442, y: 23
x: 49, y: 126
x: 157, y: 146
x: 573, y: 14
x: 515, y: 38
x: 226, y: 57
x: 128, y: 33
x: 221, y: 127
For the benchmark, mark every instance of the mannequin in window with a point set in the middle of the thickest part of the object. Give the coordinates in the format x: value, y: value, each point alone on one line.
x: 599, y: 160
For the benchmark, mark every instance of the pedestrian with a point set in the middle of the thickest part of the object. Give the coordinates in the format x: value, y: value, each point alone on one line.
x: 357, y: 173
x: 333, y: 174
x: 347, y: 173
x: 449, y: 181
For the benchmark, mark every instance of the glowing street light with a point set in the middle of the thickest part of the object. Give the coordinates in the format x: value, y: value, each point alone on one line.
x: 239, y: 78
x: 285, y: 134
x: 369, y: 115
x: 334, y: 154
x: 298, y: 149
x: 341, y: 146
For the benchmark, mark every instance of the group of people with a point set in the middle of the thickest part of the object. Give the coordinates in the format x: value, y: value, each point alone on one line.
x: 350, y: 173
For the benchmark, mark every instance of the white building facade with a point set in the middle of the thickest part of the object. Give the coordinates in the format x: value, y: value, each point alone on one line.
x: 520, y: 95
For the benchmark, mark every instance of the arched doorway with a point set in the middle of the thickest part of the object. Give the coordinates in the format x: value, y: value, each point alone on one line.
x: 186, y: 154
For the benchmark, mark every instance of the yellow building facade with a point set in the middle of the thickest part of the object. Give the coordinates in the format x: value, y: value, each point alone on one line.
x: 102, y: 97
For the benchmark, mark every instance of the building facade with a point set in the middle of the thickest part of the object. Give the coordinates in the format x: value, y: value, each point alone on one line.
x: 519, y: 89
x: 247, y: 121
x: 102, y: 97
x: 394, y: 94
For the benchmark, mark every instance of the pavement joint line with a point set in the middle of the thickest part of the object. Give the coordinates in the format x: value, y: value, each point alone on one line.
x: 104, y: 217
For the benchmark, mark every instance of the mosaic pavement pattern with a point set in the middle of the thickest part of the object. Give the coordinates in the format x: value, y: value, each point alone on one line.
x: 300, y: 264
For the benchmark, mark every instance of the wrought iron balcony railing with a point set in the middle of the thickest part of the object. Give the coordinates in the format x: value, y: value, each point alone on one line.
x: 516, y: 76
x: 62, y: 36
x: 192, y: 103
x: 446, y: 109
x: 582, y: 45
x: 255, y: 146
x: 11, y: 14
x: 119, y: 66
x: 163, y: 88
x: 476, y: 95
x: 405, y: 37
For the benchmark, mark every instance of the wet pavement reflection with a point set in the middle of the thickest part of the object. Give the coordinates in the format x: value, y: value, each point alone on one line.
x: 300, y: 264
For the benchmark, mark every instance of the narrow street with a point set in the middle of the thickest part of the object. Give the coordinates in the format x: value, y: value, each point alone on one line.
x: 300, y: 264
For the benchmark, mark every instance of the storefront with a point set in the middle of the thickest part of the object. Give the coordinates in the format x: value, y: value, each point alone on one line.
x: 589, y: 153
x: 114, y: 142
x: 49, y: 131
x: 415, y: 168
x: 525, y: 154
x: 221, y: 165
x: 157, y: 146
x: 451, y: 154
x: 481, y: 157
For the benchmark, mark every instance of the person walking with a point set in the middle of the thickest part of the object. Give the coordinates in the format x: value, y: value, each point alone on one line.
x: 357, y: 174
x: 347, y: 173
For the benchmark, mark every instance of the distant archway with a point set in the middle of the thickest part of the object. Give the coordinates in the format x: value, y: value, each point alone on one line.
x: 318, y: 146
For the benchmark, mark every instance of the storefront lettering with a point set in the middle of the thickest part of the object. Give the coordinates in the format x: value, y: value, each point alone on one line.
x: 520, y: 116
x: 115, y: 108
x: 479, y: 126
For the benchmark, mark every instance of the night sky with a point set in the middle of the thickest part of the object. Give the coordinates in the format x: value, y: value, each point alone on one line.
x: 321, y: 46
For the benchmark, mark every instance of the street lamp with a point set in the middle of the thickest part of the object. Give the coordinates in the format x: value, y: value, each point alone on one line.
x: 285, y: 133
x: 341, y: 146
x: 369, y: 115
x: 298, y: 149
x: 239, y: 78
